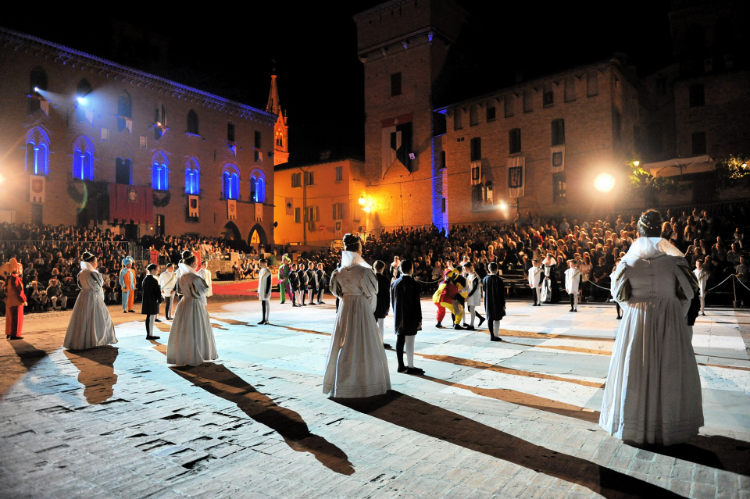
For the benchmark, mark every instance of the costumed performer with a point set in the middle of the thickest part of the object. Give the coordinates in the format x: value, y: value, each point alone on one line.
x: 90, y: 324
x: 284, y: 285
x: 356, y: 366
x: 494, y: 300
x: 15, y: 299
x: 384, y: 299
x: 127, y: 283
x: 191, y: 338
x: 167, y: 282
x: 264, y: 290
x: 407, y: 316
x: 653, y: 389
x: 151, y: 299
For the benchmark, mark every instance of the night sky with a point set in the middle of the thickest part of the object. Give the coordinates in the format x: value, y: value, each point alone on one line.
x: 228, y: 51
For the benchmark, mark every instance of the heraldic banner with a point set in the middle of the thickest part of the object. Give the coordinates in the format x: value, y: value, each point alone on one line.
x: 131, y: 202
x: 37, y: 188
x: 516, y: 176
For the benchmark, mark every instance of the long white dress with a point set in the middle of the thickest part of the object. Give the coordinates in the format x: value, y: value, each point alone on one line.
x: 356, y: 365
x: 191, y: 339
x: 653, y: 390
x: 90, y: 325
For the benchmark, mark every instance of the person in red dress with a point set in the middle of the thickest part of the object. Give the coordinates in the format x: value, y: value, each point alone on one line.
x: 15, y: 300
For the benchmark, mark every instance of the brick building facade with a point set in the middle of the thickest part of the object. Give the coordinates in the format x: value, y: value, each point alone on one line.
x: 456, y: 164
x: 75, y: 126
x: 320, y: 202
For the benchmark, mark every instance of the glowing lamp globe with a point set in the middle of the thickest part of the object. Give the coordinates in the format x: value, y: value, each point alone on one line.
x: 503, y: 206
x: 604, y: 182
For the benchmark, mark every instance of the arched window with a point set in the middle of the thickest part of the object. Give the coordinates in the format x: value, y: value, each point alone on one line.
x: 192, y: 123
x: 37, y: 85
x: 231, y: 182
x: 83, y: 159
x: 160, y: 172
x: 257, y: 186
x: 37, y: 152
x: 192, y: 177
x: 124, y: 111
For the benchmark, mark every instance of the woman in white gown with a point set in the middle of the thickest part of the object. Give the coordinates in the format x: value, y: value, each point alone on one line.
x: 653, y: 390
x: 191, y: 339
x: 356, y: 366
x: 90, y: 325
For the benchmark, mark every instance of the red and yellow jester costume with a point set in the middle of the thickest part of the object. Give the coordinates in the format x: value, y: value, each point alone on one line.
x: 451, y: 295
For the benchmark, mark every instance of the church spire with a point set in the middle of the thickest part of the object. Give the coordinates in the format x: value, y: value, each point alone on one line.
x: 273, y: 94
x: 280, y: 129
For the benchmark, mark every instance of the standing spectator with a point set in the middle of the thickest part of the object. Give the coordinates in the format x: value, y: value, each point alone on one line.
x: 742, y: 293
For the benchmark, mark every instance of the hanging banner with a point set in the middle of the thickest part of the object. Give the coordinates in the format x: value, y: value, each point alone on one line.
x: 258, y: 212
x: 476, y: 172
x: 231, y: 209
x: 396, y: 142
x: 558, y: 158
x: 193, y: 206
x: 131, y: 203
x: 37, y: 188
x: 516, y: 176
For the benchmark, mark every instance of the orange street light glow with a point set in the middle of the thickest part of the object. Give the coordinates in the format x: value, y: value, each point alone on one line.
x: 604, y: 182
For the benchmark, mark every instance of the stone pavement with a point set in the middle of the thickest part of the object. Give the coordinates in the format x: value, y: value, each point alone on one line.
x: 510, y: 419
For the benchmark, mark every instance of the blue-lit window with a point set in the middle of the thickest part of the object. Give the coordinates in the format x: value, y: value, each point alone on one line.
x: 231, y: 185
x: 37, y: 152
x: 160, y: 172
x: 83, y: 159
x: 257, y: 186
x: 192, y: 177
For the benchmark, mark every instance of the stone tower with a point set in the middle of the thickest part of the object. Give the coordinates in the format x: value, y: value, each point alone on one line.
x: 280, y: 129
x: 403, y: 45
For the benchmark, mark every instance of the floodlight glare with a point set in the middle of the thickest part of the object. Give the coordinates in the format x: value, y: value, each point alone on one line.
x: 81, y: 100
x: 503, y: 206
x: 604, y: 182
x: 36, y: 89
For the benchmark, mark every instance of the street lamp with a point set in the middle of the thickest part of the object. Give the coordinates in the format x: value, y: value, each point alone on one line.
x: 604, y: 182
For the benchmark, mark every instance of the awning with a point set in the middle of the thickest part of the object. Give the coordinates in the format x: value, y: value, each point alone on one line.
x: 680, y: 166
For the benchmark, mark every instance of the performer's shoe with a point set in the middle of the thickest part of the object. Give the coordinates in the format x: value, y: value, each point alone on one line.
x: 414, y: 370
x: 470, y: 328
x: 387, y: 346
x: 481, y: 321
x: 703, y: 314
x: 157, y: 320
x: 438, y: 325
x: 262, y: 322
x: 153, y: 337
x: 571, y: 310
x: 402, y: 369
x: 16, y: 337
x: 321, y: 303
x: 495, y: 338
x: 457, y: 326
x: 124, y: 311
x: 131, y: 311
x: 619, y: 318
x: 576, y: 310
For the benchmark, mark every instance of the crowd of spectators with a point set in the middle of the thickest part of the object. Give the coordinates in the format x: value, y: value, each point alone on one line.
x: 51, y: 258
x: 51, y: 255
x: 715, y: 237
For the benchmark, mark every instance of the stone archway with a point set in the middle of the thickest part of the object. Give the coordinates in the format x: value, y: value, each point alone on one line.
x: 257, y: 236
x: 231, y: 232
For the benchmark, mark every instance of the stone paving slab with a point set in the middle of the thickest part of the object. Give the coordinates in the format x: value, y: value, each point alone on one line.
x: 510, y: 419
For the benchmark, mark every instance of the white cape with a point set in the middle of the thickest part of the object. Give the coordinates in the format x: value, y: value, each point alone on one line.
x: 191, y: 338
x: 356, y: 365
x: 90, y: 325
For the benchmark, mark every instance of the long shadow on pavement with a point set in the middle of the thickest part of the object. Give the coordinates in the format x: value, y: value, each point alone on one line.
x: 419, y: 416
x: 97, y: 372
x: 222, y: 382
x: 28, y: 353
